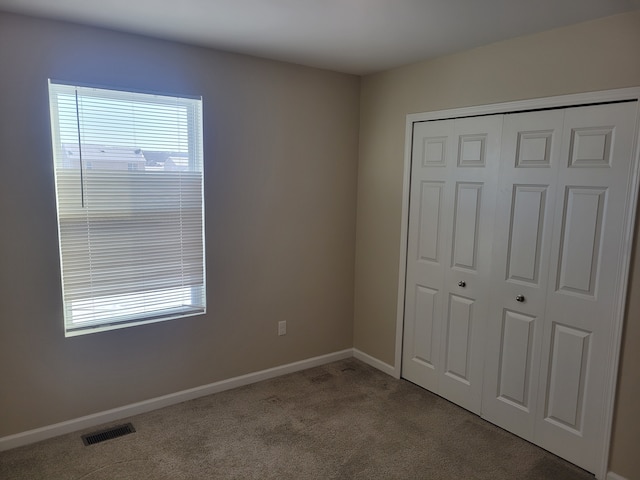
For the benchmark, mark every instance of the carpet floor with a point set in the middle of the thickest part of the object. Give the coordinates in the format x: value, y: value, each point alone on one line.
x: 344, y: 420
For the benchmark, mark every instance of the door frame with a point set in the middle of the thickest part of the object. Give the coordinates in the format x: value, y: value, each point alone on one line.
x: 561, y: 101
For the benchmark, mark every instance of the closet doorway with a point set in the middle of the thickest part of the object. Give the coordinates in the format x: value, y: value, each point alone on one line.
x: 516, y: 240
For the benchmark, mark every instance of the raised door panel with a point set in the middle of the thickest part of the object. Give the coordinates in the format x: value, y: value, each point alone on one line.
x: 515, y: 359
x: 422, y: 335
x: 533, y: 147
x: 466, y: 224
x: 423, y: 345
x: 530, y: 155
x: 434, y: 151
x: 429, y: 219
x: 472, y: 150
x: 568, y: 362
x: 459, y: 328
x: 591, y: 147
x: 526, y: 232
x: 580, y: 240
x: 589, y: 218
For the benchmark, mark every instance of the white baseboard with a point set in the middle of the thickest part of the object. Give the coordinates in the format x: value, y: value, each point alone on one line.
x: 374, y: 362
x: 43, y: 433
x: 614, y: 476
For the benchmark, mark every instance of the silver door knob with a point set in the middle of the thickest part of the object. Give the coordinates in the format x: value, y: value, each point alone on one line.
x: 519, y: 298
x: 462, y: 283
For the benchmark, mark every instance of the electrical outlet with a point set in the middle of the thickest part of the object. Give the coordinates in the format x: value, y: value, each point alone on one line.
x: 282, y: 328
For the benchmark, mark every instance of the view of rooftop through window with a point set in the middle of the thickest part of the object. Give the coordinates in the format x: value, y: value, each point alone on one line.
x: 150, y: 136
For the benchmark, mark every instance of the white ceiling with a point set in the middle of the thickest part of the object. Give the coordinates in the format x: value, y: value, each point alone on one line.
x: 353, y: 36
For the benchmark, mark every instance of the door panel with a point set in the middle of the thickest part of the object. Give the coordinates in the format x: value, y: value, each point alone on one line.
x: 567, y: 375
x: 516, y: 346
x: 472, y: 150
x: 473, y: 182
x: 581, y: 235
x: 593, y: 182
x: 530, y: 157
x: 425, y: 312
x: 533, y: 149
x: 590, y: 147
x: 466, y: 217
x: 453, y: 182
x: 458, y: 336
x: 525, y: 234
x: 434, y: 150
x: 429, y: 226
x: 429, y: 230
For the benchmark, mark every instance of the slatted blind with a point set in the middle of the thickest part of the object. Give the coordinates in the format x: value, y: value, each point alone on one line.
x: 129, y: 186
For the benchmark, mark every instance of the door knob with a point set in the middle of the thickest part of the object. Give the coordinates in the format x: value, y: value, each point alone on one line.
x: 462, y: 283
x: 519, y: 298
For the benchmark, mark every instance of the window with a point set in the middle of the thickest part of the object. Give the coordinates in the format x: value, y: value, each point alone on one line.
x: 129, y: 190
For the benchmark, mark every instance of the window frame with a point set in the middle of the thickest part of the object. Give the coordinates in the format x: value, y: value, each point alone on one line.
x: 195, y: 132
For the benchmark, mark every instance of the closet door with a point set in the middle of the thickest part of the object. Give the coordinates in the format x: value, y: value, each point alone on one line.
x: 429, y: 227
x: 527, y: 281
x: 452, y: 198
x: 562, y: 203
x: 530, y: 158
x: 586, y: 257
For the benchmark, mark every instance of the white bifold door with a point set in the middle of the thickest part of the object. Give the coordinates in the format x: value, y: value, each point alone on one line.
x: 513, y: 260
x: 453, y: 188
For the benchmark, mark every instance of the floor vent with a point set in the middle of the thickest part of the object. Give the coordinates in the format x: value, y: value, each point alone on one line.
x: 114, y: 432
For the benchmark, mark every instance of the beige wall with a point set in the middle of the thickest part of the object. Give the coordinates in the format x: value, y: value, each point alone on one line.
x: 597, y: 55
x: 281, y: 145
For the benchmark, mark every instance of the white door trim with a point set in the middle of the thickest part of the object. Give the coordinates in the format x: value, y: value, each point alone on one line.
x: 627, y: 233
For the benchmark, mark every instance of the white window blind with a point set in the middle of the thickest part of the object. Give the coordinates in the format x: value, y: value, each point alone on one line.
x: 129, y: 187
